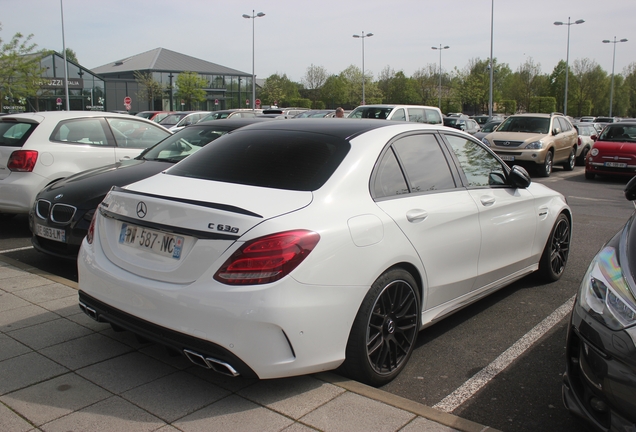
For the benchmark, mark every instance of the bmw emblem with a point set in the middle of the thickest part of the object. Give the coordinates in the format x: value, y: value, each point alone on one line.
x: 59, y: 196
x: 142, y: 209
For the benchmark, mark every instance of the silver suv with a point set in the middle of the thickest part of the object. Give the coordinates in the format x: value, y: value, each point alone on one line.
x: 538, y: 140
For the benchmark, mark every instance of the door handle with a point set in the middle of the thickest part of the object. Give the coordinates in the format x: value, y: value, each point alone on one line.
x: 416, y: 215
x: 487, y: 200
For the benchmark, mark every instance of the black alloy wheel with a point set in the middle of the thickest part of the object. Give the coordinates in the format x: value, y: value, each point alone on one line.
x: 385, y: 330
x: 557, y: 250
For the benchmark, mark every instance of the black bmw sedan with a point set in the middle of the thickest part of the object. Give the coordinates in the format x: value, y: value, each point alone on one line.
x: 599, y: 384
x: 62, y: 212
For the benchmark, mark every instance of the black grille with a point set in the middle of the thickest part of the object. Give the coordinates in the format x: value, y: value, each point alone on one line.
x: 42, y: 209
x: 62, y: 213
x: 505, y: 143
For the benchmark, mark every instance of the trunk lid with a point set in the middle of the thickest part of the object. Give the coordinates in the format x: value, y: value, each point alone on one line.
x: 173, y: 229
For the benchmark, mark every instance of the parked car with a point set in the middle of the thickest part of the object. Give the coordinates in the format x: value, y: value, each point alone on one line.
x: 284, y: 112
x: 292, y: 247
x: 600, y: 372
x: 614, y: 152
x: 37, y: 149
x: 230, y: 113
x: 587, y: 136
x: 189, y: 119
x: 412, y: 113
x: 173, y: 118
x: 606, y: 119
x: 587, y: 119
x: 487, y: 128
x: 155, y: 116
x: 535, y: 140
x: 461, y: 123
x: 62, y: 212
x: 316, y: 114
x: 484, y: 119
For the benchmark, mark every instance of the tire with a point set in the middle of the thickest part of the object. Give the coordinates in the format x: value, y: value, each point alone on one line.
x: 545, y: 169
x: 385, y: 329
x: 589, y: 175
x: 571, y: 162
x: 580, y: 161
x: 557, y: 250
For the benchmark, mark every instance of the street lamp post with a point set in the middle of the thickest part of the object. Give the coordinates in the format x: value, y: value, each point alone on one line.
x: 567, y: 61
x: 492, y: 16
x: 440, y: 71
x: 362, y: 36
x: 253, y: 17
x: 613, y: 61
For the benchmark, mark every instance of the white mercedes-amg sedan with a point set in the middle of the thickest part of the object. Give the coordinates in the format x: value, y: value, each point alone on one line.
x: 293, y: 247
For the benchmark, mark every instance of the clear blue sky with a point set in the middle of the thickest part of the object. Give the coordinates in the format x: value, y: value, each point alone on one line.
x: 295, y: 34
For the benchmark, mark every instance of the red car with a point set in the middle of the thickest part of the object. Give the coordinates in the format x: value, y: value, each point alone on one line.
x: 614, y: 152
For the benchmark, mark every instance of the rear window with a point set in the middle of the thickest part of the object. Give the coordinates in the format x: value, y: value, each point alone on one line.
x: 15, y: 134
x: 289, y: 160
x: 371, y: 112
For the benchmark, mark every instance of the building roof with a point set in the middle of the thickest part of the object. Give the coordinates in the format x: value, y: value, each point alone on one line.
x: 164, y: 60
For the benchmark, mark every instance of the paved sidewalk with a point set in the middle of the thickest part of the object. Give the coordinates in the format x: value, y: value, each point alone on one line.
x: 62, y: 371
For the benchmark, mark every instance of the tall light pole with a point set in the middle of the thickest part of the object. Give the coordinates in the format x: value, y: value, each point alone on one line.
x: 567, y: 61
x: 492, y: 17
x: 253, y: 17
x: 440, y: 71
x: 613, y: 61
x: 68, y: 108
x: 362, y: 36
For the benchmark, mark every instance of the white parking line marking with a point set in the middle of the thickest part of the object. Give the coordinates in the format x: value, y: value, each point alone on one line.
x: 481, y: 378
x: 16, y: 249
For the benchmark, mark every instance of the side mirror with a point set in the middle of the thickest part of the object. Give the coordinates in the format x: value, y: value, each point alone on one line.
x: 630, y: 190
x: 519, y: 177
x: 594, y: 137
x: 556, y: 131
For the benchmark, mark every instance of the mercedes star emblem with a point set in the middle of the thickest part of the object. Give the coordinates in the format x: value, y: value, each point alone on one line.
x: 142, y: 209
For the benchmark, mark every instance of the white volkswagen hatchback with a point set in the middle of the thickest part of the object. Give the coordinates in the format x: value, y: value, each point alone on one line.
x: 288, y: 248
x: 37, y: 149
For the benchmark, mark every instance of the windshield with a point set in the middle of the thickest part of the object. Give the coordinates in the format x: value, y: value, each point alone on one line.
x: 539, y: 125
x: 183, y: 143
x: 614, y: 132
x: 489, y: 127
x: 172, y: 119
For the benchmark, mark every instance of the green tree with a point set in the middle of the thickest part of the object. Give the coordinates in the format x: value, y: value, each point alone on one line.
x: 20, y: 70
x: 588, y: 80
x: 314, y: 79
x: 334, y: 92
x: 528, y: 82
x: 278, y: 89
x: 629, y: 87
x: 190, y: 87
x: 426, y: 84
x: 150, y: 90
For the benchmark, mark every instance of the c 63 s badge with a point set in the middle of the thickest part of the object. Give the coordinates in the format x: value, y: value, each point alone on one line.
x: 223, y: 228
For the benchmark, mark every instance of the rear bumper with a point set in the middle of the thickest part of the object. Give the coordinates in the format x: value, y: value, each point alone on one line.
x: 18, y: 191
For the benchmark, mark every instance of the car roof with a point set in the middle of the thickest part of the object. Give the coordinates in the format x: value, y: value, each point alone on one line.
x: 39, y: 117
x: 232, y: 122
x: 341, y: 128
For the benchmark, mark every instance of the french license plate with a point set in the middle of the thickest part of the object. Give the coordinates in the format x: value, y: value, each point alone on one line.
x: 507, y: 158
x: 51, y: 233
x: 615, y: 164
x: 154, y: 241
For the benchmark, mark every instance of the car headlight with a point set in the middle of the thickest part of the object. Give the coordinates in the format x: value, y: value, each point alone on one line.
x: 604, y: 293
x: 485, y: 141
x: 535, y: 145
x: 594, y: 152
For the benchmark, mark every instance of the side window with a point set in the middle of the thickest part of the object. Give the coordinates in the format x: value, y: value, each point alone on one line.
x: 432, y: 116
x: 480, y: 167
x: 131, y: 133
x: 399, y: 115
x: 416, y: 115
x: 81, y: 131
x: 424, y: 163
x: 389, y: 180
x: 564, y: 124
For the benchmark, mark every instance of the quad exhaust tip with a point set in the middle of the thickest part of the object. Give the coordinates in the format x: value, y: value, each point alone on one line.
x: 210, y: 363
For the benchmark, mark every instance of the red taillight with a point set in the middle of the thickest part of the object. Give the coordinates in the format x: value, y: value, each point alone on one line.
x: 267, y: 259
x: 579, y: 141
x: 22, y: 160
x: 91, y: 229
